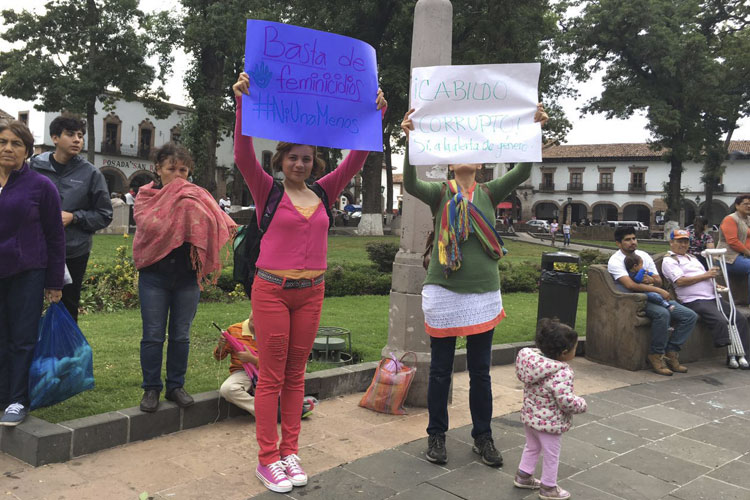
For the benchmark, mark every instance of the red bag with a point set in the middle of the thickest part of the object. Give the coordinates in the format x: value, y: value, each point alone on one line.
x: 389, y: 386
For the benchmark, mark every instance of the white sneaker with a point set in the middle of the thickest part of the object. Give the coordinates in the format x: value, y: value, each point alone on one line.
x: 273, y: 477
x: 293, y: 470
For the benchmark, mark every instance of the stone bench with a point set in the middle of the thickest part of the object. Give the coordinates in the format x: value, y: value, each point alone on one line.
x: 618, y: 333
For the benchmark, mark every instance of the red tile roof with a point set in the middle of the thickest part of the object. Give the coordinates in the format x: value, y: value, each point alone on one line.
x: 616, y: 151
x: 5, y: 116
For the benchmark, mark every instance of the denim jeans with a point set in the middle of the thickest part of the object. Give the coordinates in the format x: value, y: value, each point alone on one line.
x: 478, y: 360
x: 741, y: 265
x: 683, y: 318
x: 176, y: 296
x: 21, y: 299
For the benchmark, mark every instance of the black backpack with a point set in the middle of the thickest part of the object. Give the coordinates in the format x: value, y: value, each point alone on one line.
x: 247, y: 240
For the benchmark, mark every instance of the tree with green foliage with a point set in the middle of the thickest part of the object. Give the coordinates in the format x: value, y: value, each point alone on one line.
x: 485, y: 32
x: 725, y: 23
x: 78, y: 52
x: 213, y: 33
x: 658, y: 56
x: 506, y: 31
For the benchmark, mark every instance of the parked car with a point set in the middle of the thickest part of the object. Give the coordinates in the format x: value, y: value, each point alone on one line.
x: 538, y: 224
x: 637, y: 225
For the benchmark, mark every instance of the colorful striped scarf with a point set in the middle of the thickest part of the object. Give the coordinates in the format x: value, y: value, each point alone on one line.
x: 459, y: 219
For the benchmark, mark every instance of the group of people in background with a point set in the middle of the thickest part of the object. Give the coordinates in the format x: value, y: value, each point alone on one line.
x: 693, y: 281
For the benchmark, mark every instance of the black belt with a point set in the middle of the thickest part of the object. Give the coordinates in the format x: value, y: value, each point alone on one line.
x: 289, y: 283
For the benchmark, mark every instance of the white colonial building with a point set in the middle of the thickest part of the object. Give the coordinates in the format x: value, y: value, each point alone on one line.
x: 128, y: 134
x: 622, y: 182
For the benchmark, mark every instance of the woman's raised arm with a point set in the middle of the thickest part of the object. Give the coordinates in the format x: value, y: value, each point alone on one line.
x: 258, y: 180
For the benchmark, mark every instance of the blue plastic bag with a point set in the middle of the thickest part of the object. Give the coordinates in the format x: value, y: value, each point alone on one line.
x: 63, y: 363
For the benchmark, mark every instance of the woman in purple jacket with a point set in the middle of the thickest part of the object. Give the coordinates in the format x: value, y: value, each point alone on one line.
x: 32, y: 263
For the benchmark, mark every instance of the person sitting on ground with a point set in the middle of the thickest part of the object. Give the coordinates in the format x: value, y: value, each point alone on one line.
x: 239, y: 388
x: 692, y: 284
x: 548, y: 404
x: 700, y: 240
x: 663, y: 346
x: 634, y: 265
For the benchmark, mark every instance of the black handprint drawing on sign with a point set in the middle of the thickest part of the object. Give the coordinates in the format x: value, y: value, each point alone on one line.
x: 261, y: 75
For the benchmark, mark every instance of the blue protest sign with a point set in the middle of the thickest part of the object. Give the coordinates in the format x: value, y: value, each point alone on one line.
x: 310, y: 87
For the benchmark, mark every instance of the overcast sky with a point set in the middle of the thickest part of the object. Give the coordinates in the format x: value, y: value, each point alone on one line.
x: 590, y: 129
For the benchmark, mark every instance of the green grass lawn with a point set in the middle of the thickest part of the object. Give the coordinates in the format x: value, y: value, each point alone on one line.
x: 115, y: 337
x: 115, y: 340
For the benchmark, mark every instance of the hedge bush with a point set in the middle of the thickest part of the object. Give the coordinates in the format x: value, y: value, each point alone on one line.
x: 382, y: 255
x: 521, y: 277
x: 114, y: 286
x: 353, y: 279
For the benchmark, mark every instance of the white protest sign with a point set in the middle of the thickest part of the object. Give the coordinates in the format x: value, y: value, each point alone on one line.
x: 475, y: 114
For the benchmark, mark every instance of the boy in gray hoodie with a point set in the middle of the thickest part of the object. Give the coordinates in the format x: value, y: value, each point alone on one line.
x: 84, y: 196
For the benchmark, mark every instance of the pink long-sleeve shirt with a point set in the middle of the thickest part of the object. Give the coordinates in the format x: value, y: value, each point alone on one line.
x: 292, y: 241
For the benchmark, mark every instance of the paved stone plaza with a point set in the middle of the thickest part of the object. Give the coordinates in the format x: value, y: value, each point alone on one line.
x: 685, y: 438
x: 644, y: 437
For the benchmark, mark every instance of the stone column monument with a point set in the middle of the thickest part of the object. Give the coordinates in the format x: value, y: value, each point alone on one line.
x: 431, y: 46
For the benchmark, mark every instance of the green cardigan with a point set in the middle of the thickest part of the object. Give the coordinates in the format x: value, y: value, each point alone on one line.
x: 478, y: 272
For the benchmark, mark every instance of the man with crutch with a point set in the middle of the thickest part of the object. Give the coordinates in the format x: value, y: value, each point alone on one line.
x: 696, y: 289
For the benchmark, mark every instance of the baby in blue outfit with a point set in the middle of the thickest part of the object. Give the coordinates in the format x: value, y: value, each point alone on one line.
x: 634, y: 265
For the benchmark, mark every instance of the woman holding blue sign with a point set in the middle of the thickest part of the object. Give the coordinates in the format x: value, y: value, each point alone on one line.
x: 461, y: 293
x: 287, y: 294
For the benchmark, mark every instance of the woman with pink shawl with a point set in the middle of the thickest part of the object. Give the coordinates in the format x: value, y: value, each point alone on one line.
x: 181, y: 230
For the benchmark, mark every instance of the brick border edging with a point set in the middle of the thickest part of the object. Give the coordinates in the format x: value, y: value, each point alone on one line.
x: 39, y: 442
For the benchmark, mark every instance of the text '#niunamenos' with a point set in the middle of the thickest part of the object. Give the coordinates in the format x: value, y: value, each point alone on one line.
x: 269, y: 107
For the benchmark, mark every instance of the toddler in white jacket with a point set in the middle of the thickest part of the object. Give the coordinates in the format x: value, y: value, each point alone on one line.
x: 548, y: 403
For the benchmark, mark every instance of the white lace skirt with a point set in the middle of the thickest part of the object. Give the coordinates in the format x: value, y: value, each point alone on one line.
x: 451, y: 314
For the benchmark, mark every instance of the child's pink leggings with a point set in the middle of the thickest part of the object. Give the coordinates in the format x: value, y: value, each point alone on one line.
x: 286, y: 321
x: 549, y: 445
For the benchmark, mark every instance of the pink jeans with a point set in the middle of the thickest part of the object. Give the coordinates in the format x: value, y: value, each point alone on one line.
x: 549, y: 445
x: 286, y: 321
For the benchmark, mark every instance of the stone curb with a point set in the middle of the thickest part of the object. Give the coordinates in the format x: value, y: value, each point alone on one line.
x: 39, y: 442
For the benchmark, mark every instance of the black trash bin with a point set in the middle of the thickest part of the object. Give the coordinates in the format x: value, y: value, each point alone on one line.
x: 558, y: 290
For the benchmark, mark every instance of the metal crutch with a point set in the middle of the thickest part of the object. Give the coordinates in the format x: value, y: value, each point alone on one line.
x: 735, y: 349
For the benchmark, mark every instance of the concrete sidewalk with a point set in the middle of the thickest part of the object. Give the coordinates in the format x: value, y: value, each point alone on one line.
x: 645, y: 436
x: 684, y: 438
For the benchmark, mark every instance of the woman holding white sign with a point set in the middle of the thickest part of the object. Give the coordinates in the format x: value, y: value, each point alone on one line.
x: 287, y: 294
x: 461, y: 293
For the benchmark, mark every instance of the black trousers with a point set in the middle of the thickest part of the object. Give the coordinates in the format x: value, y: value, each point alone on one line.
x: 21, y: 299
x: 71, y: 294
x: 479, y: 361
x: 711, y: 315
